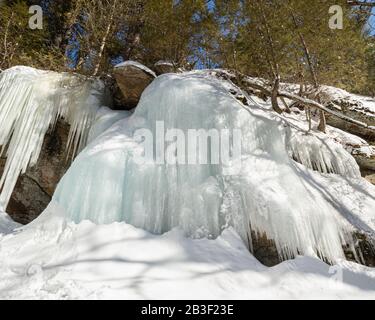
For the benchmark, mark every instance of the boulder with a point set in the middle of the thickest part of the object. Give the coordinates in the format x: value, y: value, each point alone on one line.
x: 132, y: 79
x: 162, y: 67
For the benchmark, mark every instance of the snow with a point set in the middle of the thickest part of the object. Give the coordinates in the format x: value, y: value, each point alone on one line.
x: 164, y: 63
x: 7, y: 225
x: 52, y: 259
x: 303, y: 211
x: 136, y: 65
x: 31, y: 101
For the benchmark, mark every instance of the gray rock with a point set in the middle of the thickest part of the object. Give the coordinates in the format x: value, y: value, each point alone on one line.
x: 35, y: 188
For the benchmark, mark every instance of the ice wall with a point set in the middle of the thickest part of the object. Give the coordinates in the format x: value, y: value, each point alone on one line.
x: 269, y: 192
x: 31, y: 101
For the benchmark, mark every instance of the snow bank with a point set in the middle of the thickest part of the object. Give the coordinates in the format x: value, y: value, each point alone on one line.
x: 303, y: 211
x: 30, y: 103
x: 54, y: 260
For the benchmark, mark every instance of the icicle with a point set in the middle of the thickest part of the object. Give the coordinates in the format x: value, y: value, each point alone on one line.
x: 321, y: 154
x: 30, y: 102
x: 270, y: 193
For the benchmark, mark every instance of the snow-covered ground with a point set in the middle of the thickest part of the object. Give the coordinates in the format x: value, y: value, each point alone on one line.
x: 54, y: 260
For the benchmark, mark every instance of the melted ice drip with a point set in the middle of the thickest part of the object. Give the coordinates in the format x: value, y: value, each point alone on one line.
x: 30, y: 102
x: 269, y: 193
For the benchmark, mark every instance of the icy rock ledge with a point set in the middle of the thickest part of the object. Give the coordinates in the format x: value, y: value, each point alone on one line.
x: 302, y: 211
x: 31, y: 101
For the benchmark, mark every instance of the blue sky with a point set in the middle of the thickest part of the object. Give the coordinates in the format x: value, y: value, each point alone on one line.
x: 372, y: 21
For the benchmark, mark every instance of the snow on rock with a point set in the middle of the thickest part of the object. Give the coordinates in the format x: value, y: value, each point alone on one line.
x: 31, y: 101
x: 162, y: 67
x: 51, y: 259
x: 137, y: 65
x: 360, y: 149
x: 355, y: 106
x: 361, y: 103
x: 303, y: 211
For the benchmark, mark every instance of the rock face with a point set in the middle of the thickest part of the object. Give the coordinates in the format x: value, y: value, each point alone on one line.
x: 265, y: 250
x: 365, y: 251
x: 35, y: 188
x: 132, y: 79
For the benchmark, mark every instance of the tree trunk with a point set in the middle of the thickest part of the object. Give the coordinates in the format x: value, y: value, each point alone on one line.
x: 275, y: 90
x: 104, y: 39
x: 5, y: 42
x: 322, y: 123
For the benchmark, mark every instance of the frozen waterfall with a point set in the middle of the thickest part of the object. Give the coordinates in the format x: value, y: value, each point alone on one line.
x: 30, y: 103
x: 268, y: 193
